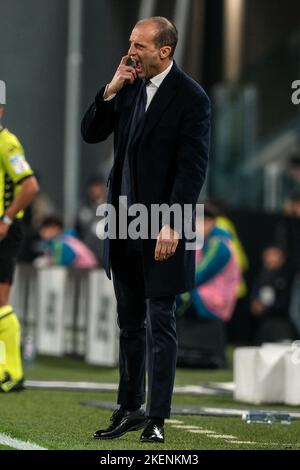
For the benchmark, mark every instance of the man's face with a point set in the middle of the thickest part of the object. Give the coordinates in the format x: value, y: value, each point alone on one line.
x: 144, y: 51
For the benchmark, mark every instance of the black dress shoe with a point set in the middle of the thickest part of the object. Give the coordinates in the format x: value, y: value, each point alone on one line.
x: 122, y: 421
x: 153, y: 432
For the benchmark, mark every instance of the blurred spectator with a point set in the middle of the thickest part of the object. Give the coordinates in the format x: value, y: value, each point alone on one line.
x: 41, y: 207
x: 201, y: 312
x: 271, y: 297
x: 217, y: 273
x: 292, y: 206
x: 87, y: 220
x: 291, y: 184
x: 295, y: 305
x: 62, y: 248
x: 223, y: 222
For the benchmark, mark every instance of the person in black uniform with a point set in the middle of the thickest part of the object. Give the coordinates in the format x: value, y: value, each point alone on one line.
x: 160, y: 118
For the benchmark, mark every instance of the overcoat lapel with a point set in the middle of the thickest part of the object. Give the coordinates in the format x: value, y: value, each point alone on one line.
x: 161, y: 100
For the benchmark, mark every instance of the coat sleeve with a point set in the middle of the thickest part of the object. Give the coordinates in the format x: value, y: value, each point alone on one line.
x: 193, y: 151
x: 99, y: 120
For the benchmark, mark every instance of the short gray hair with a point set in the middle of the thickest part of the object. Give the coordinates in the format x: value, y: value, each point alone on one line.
x: 167, y: 34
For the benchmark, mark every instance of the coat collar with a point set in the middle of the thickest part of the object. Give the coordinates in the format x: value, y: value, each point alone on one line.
x: 162, y: 98
x: 160, y: 101
x: 158, y: 79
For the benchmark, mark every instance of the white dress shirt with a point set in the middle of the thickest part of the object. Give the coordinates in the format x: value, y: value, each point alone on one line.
x: 155, y: 83
x: 152, y: 87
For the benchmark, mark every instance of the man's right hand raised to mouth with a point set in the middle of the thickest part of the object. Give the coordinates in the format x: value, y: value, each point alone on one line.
x: 124, y: 74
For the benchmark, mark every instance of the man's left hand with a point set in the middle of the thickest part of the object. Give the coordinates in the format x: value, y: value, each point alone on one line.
x: 4, y: 228
x: 166, y: 244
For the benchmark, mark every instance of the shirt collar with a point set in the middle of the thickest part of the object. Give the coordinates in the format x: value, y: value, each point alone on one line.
x: 158, y: 79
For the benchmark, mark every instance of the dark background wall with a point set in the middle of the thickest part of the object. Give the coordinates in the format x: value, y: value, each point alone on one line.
x: 271, y: 59
x: 33, y: 45
x: 106, y: 30
x: 32, y: 51
x: 268, y: 24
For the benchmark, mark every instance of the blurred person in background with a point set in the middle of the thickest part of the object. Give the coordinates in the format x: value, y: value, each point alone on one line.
x: 224, y: 222
x: 87, y: 219
x: 62, y: 248
x: 218, y: 273
x: 291, y: 186
x: 41, y: 207
x: 295, y: 305
x: 18, y: 186
x: 160, y: 118
x: 271, y: 297
x: 292, y: 206
x: 286, y: 233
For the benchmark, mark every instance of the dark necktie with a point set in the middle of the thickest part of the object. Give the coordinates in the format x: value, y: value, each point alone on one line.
x: 139, y: 110
x: 137, y: 116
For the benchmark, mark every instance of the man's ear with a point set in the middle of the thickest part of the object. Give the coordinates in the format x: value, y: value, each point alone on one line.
x: 2, y: 108
x: 165, y: 52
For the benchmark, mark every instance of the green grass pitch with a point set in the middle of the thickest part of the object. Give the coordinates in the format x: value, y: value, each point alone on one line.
x: 57, y: 420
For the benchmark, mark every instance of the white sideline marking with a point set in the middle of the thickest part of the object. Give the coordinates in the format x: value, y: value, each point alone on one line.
x: 195, y: 390
x: 173, y: 421
x: 278, y: 444
x: 230, y: 439
x: 242, y: 442
x: 72, y: 385
x: 230, y: 386
x: 202, y: 431
x: 186, y: 426
x: 66, y: 385
x: 268, y: 444
x: 17, y: 443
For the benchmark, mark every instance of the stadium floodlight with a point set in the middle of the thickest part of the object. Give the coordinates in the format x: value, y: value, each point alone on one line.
x: 2, y: 92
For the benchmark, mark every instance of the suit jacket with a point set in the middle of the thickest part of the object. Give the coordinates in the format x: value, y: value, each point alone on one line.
x: 169, y: 158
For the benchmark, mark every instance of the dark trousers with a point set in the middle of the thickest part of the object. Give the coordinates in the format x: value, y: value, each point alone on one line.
x: 147, y: 336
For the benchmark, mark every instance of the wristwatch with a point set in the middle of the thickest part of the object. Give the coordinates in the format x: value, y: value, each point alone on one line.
x: 6, y: 220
